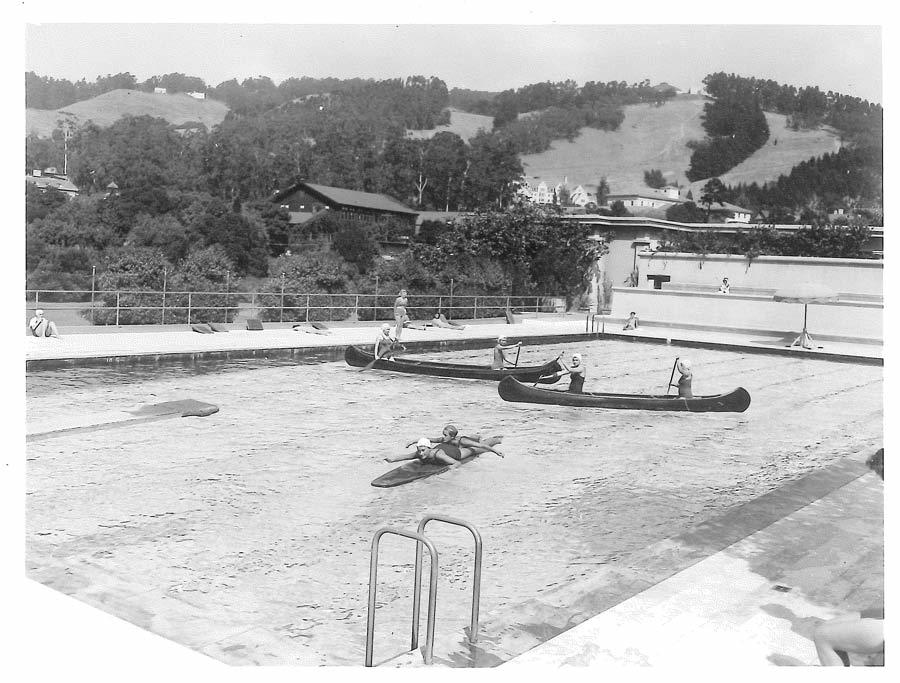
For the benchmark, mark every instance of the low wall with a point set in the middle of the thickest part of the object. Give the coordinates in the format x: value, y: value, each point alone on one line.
x: 862, y: 320
x: 848, y: 277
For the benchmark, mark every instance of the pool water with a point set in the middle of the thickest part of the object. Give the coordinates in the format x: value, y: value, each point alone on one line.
x: 257, y: 521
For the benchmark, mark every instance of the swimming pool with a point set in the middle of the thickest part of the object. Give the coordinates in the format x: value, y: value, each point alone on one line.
x: 246, y: 534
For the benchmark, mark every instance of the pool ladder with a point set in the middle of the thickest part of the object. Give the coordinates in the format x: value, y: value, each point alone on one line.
x: 422, y: 540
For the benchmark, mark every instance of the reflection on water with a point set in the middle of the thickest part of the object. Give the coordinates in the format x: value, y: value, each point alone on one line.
x: 263, y: 513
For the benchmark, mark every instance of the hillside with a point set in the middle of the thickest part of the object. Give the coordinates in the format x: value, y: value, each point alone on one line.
x: 656, y: 137
x: 462, y: 123
x: 107, y: 108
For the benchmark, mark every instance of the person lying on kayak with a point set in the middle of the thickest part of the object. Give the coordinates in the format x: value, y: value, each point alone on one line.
x: 385, y: 344
x: 684, y: 382
x: 428, y: 452
x: 500, y: 359
x: 468, y: 445
x: 577, y: 374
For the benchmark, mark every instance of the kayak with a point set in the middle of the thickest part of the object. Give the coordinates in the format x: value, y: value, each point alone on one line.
x: 359, y: 358
x: 736, y: 401
x: 413, y: 471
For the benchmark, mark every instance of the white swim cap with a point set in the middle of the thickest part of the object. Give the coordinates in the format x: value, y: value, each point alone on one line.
x: 501, y: 338
x: 684, y: 364
x: 576, y: 356
x: 385, y: 328
x: 423, y: 442
x: 39, y: 311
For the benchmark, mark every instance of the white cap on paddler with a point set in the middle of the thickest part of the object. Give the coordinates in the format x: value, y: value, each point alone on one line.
x: 576, y: 357
x: 385, y: 327
x: 501, y: 339
x: 684, y: 364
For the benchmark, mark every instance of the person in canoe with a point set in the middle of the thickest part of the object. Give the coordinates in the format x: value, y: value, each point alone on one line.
x: 577, y: 374
x: 385, y: 344
x: 400, y: 315
x: 684, y: 382
x: 468, y: 445
x: 500, y: 359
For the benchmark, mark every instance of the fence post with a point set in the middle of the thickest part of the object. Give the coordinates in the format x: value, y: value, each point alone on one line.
x: 227, y: 282
x: 440, y: 303
x: 537, y: 301
x: 93, y: 275
x: 165, y: 274
x: 356, y: 308
x: 450, y: 307
x: 375, y: 304
x: 307, y: 308
x: 117, y: 308
x: 281, y: 310
x: 189, y: 308
x: 475, y: 309
x: 507, y: 302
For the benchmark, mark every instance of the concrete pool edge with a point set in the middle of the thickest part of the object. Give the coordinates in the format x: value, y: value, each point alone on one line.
x: 334, y: 352
x: 506, y: 635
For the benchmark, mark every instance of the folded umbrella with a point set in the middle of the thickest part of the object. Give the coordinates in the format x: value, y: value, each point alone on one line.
x: 805, y: 293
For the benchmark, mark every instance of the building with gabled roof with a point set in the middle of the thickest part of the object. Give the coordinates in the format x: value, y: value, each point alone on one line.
x: 303, y: 200
x: 49, y: 179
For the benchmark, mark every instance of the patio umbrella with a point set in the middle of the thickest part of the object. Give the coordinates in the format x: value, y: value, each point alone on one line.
x: 805, y: 293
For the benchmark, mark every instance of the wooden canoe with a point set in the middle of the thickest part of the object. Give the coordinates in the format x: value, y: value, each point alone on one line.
x: 359, y: 358
x: 736, y: 401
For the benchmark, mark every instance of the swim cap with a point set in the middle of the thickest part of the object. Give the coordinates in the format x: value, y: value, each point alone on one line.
x: 423, y: 442
x: 385, y: 328
x: 501, y: 339
x: 39, y: 311
x: 576, y: 356
x: 684, y: 364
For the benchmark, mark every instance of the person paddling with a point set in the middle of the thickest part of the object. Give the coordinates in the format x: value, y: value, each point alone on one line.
x: 684, y: 382
x: 577, y: 374
x: 500, y: 359
x: 385, y: 344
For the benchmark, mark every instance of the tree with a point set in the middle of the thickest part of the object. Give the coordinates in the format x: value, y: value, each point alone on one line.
x: 444, y: 163
x: 164, y: 233
x: 39, y: 203
x: 685, y: 213
x: 654, y: 178
x: 355, y: 245
x: 494, y: 172
x: 713, y: 193
x: 602, y: 191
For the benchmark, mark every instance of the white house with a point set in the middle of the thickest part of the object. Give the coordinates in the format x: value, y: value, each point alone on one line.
x: 582, y: 196
x: 160, y: 91
x: 198, y: 95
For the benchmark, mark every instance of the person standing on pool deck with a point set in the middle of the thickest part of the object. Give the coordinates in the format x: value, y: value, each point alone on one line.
x: 500, y: 359
x: 577, y: 374
x: 400, y: 315
x: 41, y: 327
x: 385, y: 344
x: 684, y: 382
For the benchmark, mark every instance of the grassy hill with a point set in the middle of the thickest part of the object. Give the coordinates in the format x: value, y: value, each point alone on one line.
x: 462, y: 123
x: 657, y: 137
x: 107, y: 108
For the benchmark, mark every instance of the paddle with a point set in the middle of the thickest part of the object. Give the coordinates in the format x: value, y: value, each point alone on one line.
x: 672, y: 376
x: 390, y: 349
x: 546, y: 376
x: 519, y: 348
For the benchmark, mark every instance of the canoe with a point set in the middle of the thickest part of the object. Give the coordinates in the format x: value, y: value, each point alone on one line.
x: 413, y: 471
x: 359, y: 358
x: 736, y: 401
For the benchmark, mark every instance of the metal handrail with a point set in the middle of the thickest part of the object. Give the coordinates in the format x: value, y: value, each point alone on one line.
x: 476, y: 580
x: 428, y: 654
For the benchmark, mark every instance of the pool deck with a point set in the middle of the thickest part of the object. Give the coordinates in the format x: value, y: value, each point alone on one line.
x: 177, y: 343
x: 744, y: 590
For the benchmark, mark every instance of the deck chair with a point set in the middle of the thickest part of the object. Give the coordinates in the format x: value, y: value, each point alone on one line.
x: 319, y: 326
x: 217, y: 327
x: 254, y: 324
x: 202, y: 328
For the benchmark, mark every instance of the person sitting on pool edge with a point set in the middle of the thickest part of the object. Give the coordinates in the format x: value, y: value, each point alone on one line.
x: 724, y: 288
x: 632, y: 322
x: 500, y: 359
x: 468, y: 445
x: 684, y: 382
x: 439, y: 321
x: 577, y: 374
x: 385, y: 344
x: 41, y: 327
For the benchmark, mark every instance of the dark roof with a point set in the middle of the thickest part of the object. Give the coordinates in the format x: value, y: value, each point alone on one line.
x: 339, y: 196
x: 45, y: 181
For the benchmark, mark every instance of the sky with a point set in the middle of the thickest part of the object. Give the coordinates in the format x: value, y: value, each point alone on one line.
x: 846, y: 59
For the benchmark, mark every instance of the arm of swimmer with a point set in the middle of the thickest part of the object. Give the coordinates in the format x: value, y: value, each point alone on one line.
x: 466, y: 442
x: 398, y: 458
